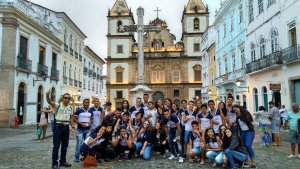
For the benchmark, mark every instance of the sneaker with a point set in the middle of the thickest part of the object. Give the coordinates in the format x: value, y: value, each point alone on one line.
x: 180, y: 159
x: 55, y: 167
x: 100, y: 160
x: 253, y: 166
x: 76, y: 160
x: 292, y: 156
x: 245, y: 165
x: 171, y: 157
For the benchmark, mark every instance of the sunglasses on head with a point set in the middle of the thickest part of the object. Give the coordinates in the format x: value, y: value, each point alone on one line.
x: 69, y: 98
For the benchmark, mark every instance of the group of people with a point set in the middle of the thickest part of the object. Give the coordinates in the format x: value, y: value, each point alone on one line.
x: 223, y: 133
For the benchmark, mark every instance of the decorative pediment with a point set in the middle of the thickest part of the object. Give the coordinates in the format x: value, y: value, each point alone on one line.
x: 197, y: 67
x: 196, y: 6
x: 120, y: 8
x: 176, y: 66
x: 119, y: 68
x: 157, y: 67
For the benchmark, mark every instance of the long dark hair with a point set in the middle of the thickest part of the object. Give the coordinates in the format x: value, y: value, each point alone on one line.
x: 122, y: 107
x: 220, y: 134
x: 156, y: 105
x: 227, y: 140
x: 207, y: 139
x: 245, y: 114
x: 224, y: 110
x: 177, y: 107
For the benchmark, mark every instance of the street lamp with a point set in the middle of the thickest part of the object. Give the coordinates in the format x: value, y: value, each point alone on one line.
x: 238, y: 84
x: 209, y: 92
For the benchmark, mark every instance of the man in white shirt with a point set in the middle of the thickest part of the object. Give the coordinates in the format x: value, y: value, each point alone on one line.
x: 151, y: 114
x: 283, y: 113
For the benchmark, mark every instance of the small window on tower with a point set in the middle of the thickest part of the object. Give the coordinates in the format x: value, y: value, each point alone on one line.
x: 196, y: 24
x: 196, y: 47
x: 119, y: 94
x: 119, y: 24
x: 120, y: 49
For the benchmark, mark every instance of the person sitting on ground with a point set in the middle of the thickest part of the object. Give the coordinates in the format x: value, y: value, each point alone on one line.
x: 124, y: 142
x: 221, y: 132
x: 112, y: 118
x: 292, y: 122
x: 159, y: 140
x: 144, y: 141
x: 195, y: 139
x: 123, y: 121
x: 135, y: 124
x: 234, y: 149
x: 213, y: 147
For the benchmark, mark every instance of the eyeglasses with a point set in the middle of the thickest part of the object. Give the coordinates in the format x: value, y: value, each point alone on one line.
x: 69, y: 98
x: 147, y: 124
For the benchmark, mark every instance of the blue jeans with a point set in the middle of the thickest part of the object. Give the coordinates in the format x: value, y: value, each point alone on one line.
x: 186, y: 136
x: 172, y: 136
x: 60, y: 136
x: 234, y: 155
x: 215, y: 156
x: 147, y: 151
x: 81, y: 135
x: 248, y: 137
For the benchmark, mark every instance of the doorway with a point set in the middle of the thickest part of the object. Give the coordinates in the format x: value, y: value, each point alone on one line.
x: 40, y: 101
x: 21, y: 109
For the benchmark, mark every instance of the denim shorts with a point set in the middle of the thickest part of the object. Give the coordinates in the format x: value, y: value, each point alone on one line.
x: 197, y: 150
x: 294, y: 137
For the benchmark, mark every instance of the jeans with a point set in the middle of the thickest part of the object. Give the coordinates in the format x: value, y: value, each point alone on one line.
x: 147, y: 151
x: 248, y: 137
x: 186, y: 136
x: 81, y: 135
x: 172, y: 136
x: 234, y: 155
x: 215, y: 156
x: 160, y: 148
x: 60, y: 136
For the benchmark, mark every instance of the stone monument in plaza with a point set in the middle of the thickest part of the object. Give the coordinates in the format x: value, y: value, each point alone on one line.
x: 140, y: 28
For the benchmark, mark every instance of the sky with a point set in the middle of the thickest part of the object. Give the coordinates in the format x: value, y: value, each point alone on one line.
x: 90, y: 16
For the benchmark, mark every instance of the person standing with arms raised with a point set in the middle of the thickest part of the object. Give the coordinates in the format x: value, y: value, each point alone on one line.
x: 62, y: 119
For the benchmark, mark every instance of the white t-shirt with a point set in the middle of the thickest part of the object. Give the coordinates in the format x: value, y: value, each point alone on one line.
x: 152, y: 119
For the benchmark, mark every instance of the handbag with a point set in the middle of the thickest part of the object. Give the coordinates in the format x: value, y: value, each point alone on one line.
x: 90, y: 161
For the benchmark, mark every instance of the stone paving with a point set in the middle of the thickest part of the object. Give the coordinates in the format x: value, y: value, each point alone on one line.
x: 21, y: 150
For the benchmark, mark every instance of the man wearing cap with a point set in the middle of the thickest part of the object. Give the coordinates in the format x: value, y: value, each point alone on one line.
x: 275, y: 123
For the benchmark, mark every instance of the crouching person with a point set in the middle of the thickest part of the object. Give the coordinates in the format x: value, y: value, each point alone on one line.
x: 144, y: 141
x: 195, y: 138
x: 124, y: 142
x: 214, y: 147
x: 90, y: 144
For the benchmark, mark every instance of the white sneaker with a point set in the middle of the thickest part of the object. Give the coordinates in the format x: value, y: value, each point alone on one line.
x: 292, y: 156
x: 180, y: 159
x: 171, y: 157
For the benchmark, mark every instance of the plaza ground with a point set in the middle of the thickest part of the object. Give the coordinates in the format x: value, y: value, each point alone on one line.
x: 19, y: 149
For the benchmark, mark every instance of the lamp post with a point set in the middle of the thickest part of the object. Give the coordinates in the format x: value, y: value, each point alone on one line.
x: 238, y: 84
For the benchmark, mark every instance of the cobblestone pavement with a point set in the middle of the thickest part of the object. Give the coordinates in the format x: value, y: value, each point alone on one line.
x: 21, y: 150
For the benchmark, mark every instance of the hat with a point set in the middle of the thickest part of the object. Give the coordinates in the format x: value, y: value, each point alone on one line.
x: 271, y: 102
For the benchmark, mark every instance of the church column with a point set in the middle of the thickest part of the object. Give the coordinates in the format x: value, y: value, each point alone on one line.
x: 8, y: 60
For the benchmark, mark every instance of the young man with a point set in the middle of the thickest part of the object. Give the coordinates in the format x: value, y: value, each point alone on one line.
x: 84, y: 119
x: 145, y: 104
x: 293, y: 123
x: 231, y: 116
x: 188, y: 117
x: 63, y: 117
x: 137, y: 108
x: 113, y: 118
x: 217, y: 119
x: 171, y: 124
x: 195, y: 138
x: 98, y: 114
x: 151, y: 114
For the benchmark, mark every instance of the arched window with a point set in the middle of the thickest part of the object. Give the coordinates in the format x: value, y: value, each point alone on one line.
x: 119, y: 23
x: 274, y: 40
x: 265, y: 96
x: 70, y: 71
x: 262, y: 47
x: 65, y: 37
x: 71, y: 41
x: 255, y: 98
x: 65, y: 69
x: 196, y: 24
x: 253, y: 57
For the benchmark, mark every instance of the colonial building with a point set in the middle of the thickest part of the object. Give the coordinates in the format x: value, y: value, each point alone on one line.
x: 92, y: 72
x: 230, y: 24
x: 172, y: 69
x: 30, y: 60
x: 263, y: 54
x: 208, y: 48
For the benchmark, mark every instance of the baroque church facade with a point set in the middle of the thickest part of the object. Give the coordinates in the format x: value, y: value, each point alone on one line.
x: 171, y: 69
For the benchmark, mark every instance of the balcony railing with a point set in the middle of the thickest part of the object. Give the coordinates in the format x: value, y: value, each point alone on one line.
x: 65, y: 80
x: 80, y: 84
x: 94, y: 75
x: 85, y: 70
x: 42, y: 69
x: 90, y: 72
x: 80, y: 57
x: 55, y: 74
x: 25, y: 63
x: 71, y: 52
x: 70, y: 81
x: 270, y: 60
x: 76, y: 55
x: 75, y: 83
x: 66, y: 48
x: 291, y: 54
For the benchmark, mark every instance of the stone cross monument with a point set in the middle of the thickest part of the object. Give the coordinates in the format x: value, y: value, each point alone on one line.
x: 140, y: 28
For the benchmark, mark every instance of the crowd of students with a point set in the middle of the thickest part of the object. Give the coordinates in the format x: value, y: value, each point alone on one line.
x: 223, y: 133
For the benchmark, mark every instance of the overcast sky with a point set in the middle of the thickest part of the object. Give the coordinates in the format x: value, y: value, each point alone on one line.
x: 90, y: 16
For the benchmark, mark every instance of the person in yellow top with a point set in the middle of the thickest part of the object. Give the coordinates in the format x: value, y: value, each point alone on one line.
x: 62, y: 119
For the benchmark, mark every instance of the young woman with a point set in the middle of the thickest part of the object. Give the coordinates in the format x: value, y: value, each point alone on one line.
x: 125, y: 106
x: 195, y: 138
x: 233, y: 149
x: 223, y: 111
x: 43, y: 123
x: 198, y: 106
x: 264, y: 125
x: 168, y: 103
x: 159, y: 139
x: 159, y: 104
x: 91, y: 143
x: 222, y: 132
x: 144, y: 141
x: 246, y: 128
x: 137, y: 108
x: 161, y: 116
x: 124, y: 142
x: 213, y: 147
